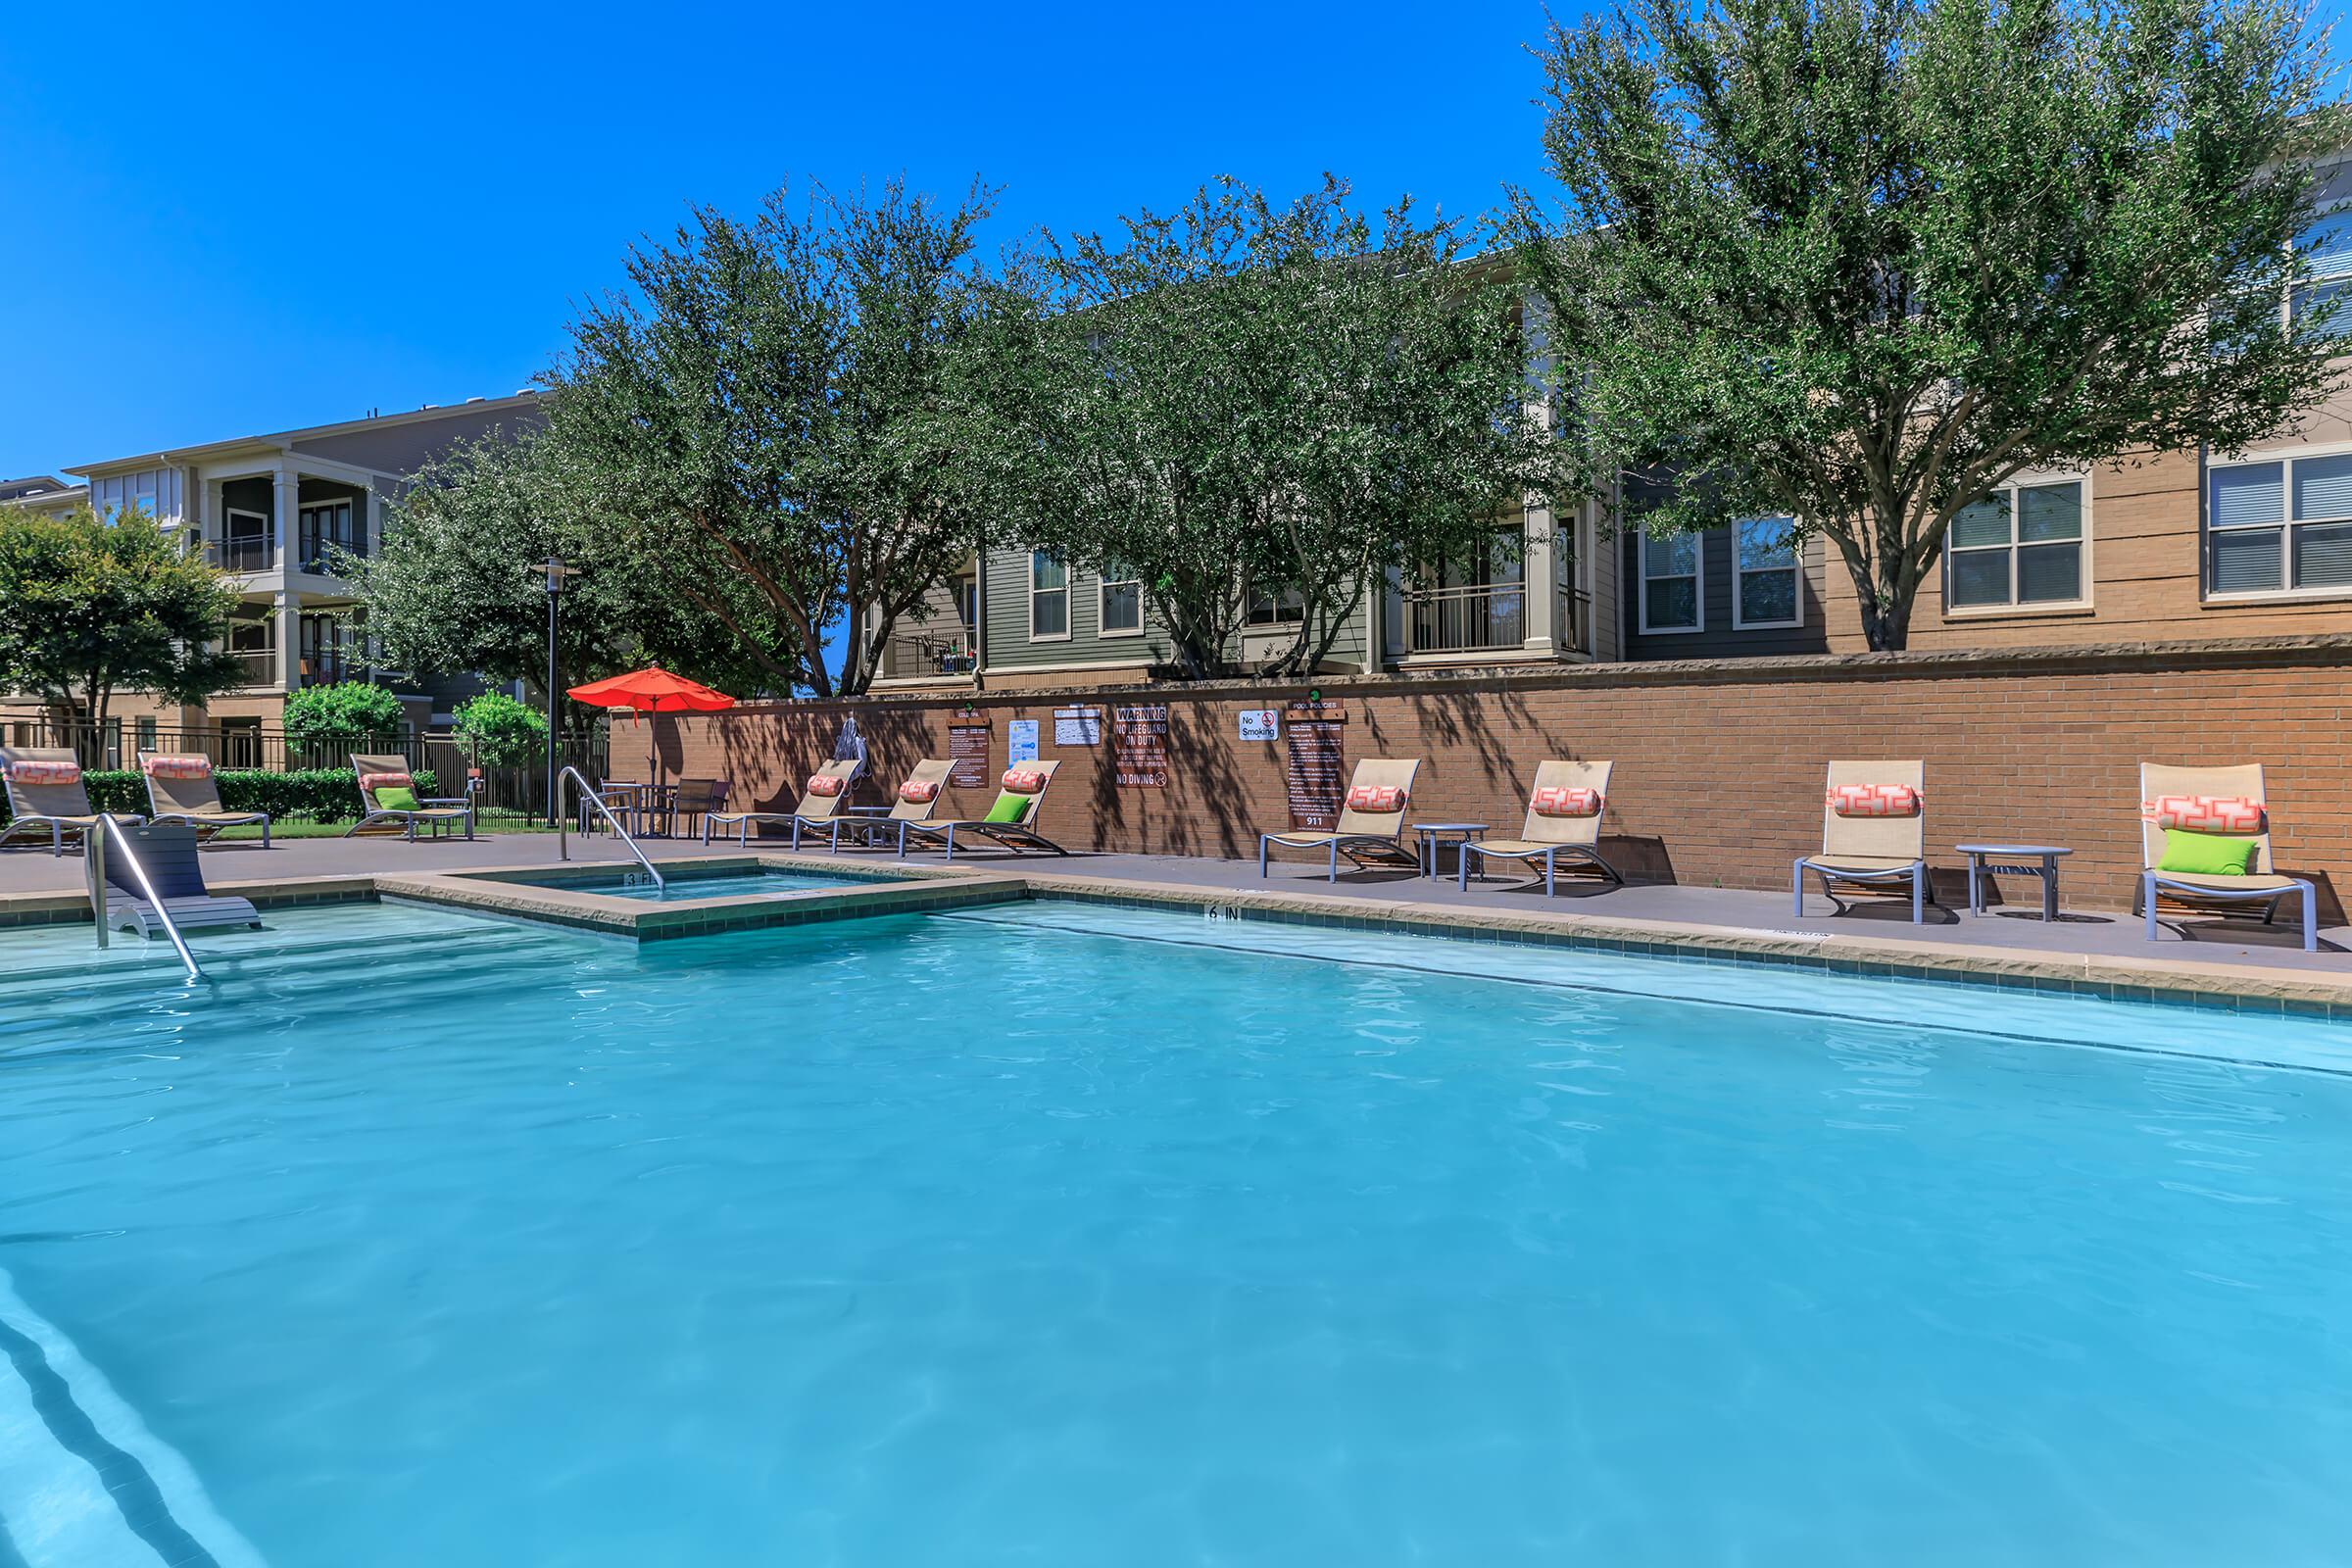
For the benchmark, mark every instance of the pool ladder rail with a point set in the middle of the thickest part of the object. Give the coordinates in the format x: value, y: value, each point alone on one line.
x: 587, y: 791
x: 93, y: 862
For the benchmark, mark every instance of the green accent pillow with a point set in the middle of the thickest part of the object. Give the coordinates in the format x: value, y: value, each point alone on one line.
x: 2205, y: 854
x: 1010, y: 807
x: 396, y: 798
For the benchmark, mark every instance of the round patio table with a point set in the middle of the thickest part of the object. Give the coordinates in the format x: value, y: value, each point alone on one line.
x: 2013, y: 859
x: 1436, y: 834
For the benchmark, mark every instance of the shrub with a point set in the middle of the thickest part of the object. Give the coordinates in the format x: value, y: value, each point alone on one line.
x: 319, y: 793
x: 343, y: 712
x: 500, y: 731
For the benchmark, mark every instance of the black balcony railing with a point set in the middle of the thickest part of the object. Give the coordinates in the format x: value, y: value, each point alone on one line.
x: 930, y: 654
x: 1467, y: 619
x: 245, y: 553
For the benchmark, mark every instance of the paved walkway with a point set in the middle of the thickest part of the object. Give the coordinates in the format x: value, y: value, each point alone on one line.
x: 2086, y: 932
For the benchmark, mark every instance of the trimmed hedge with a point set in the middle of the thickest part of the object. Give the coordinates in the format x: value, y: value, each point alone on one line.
x: 320, y: 794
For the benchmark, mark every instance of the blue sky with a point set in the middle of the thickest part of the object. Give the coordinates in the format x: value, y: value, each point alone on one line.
x: 238, y: 219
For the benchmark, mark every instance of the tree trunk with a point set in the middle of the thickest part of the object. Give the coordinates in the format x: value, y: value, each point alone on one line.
x: 1884, y: 592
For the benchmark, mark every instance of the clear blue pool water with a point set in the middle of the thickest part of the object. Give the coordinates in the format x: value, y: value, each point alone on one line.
x: 746, y: 885
x: 1046, y: 1236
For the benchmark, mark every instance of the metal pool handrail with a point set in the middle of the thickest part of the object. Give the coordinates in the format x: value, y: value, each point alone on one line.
x: 572, y: 775
x: 93, y: 855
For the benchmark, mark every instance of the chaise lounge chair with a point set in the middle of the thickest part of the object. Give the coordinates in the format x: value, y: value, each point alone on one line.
x: 45, y: 791
x: 1873, y: 834
x: 1371, y: 826
x: 182, y: 789
x: 377, y: 774
x: 1011, y: 822
x: 2225, y: 816
x: 1563, y: 820
x: 820, y: 804
x: 167, y: 851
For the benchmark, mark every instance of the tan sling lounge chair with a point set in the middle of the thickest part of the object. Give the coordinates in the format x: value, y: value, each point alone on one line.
x: 1011, y: 822
x: 916, y: 799
x: 45, y: 792
x: 1371, y: 825
x: 823, y: 797
x: 182, y: 789
x: 1563, y: 820
x: 392, y: 772
x: 1874, y: 833
x: 2222, y: 802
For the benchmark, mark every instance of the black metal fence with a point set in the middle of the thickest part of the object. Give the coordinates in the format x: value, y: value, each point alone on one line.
x: 251, y: 744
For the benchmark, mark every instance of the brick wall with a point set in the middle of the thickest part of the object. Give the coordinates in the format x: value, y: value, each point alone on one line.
x: 1719, y: 763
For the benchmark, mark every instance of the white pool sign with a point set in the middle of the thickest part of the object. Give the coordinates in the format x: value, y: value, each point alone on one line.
x: 1261, y: 724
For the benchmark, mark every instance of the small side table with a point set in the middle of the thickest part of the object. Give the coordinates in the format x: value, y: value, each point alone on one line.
x: 1436, y: 834
x: 2013, y: 859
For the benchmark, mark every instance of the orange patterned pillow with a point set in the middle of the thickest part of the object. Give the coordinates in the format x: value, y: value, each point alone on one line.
x: 1874, y: 799
x: 371, y: 782
x: 2204, y: 813
x: 919, y: 790
x: 178, y: 766
x: 1566, y: 800
x: 45, y: 772
x: 827, y: 784
x: 1376, y: 798
x: 1024, y: 780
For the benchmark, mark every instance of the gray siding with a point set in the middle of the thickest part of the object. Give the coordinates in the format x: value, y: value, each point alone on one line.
x: 1006, y: 604
x: 404, y: 448
x: 1720, y: 639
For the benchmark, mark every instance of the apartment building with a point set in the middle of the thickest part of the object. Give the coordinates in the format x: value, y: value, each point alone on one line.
x: 271, y: 511
x: 2197, y: 545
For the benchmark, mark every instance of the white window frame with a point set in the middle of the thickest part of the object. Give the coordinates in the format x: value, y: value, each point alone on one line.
x: 2080, y: 603
x: 1277, y: 621
x: 1102, y: 587
x: 1698, y: 587
x: 1036, y: 592
x: 2285, y: 459
x: 1739, y: 575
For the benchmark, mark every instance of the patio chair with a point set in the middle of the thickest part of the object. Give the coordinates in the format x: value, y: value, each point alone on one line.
x: 690, y: 804
x: 826, y: 792
x: 167, y: 851
x: 182, y: 789
x: 1371, y: 826
x: 1563, y: 820
x: 1873, y: 834
x: 45, y: 791
x: 2225, y: 816
x: 379, y: 774
x: 1011, y: 824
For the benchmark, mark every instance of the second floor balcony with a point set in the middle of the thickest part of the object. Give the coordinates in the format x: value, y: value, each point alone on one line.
x: 1488, y: 618
x: 243, y: 552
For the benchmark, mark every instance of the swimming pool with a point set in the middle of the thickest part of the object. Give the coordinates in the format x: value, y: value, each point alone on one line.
x: 1055, y: 1235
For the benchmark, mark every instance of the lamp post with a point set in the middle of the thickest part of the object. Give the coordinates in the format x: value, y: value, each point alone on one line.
x: 557, y: 571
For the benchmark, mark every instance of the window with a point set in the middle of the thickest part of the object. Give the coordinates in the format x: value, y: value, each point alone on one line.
x: 146, y: 734
x: 2326, y: 250
x: 1122, y: 608
x: 1767, y: 589
x: 1284, y: 608
x: 1670, y: 583
x: 244, y: 541
x: 2020, y: 547
x: 2283, y: 526
x: 322, y: 528
x: 1049, y: 598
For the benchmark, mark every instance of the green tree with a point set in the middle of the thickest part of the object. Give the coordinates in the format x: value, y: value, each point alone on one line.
x: 1860, y: 261
x: 456, y: 586
x: 1246, y: 397
x: 774, y: 414
x: 499, y: 732
x: 90, y: 608
x: 343, y: 713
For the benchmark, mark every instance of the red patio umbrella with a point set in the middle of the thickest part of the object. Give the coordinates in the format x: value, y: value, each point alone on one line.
x: 652, y: 690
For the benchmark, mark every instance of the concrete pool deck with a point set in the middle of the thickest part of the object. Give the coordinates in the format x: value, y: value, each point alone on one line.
x: 2099, y: 951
